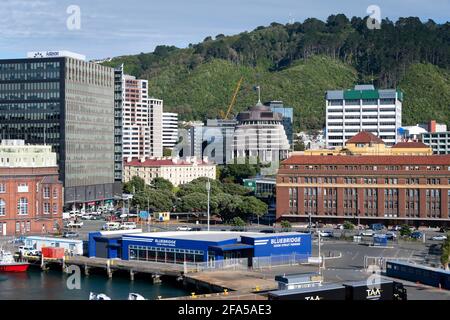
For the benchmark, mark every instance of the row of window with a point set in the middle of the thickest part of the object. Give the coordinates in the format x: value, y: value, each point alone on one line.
x: 23, y: 208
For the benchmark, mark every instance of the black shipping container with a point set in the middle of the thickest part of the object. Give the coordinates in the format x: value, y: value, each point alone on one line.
x: 383, y: 290
x: 325, y: 292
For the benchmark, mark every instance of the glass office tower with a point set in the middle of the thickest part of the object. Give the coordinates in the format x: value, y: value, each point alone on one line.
x: 69, y: 104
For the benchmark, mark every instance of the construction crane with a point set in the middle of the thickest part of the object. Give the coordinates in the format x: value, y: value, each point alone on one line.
x: 225, y: 116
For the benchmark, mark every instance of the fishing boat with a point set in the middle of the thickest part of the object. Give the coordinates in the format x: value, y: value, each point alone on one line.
x: 8, y: 264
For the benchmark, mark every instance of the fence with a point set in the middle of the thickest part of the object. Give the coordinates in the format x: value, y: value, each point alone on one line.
x: 279, y: 260
x: 215, y: 265
x: 381, y: 261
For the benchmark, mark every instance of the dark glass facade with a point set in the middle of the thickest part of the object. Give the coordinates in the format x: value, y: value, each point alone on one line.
x: 69, y: 104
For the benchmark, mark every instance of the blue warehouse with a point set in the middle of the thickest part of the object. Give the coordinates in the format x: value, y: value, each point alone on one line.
x: 198, y: 247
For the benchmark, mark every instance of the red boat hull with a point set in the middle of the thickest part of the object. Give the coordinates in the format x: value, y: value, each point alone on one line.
x: 19, y: 267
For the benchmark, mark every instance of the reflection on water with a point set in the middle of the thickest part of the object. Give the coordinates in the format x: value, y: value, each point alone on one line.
x: 51, y: 285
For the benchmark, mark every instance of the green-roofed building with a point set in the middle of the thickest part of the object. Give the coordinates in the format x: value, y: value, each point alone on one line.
x: 362, y: 108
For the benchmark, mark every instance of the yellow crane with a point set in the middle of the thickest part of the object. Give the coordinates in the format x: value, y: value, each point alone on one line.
x: 233, y: 100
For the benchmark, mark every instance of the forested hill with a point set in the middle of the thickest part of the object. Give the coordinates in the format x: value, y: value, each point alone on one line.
x: 297, y: 62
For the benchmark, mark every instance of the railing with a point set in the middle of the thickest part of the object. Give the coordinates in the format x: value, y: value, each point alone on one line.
x: 279, y: 260
x: 214, y: 265
x: 381, y: 261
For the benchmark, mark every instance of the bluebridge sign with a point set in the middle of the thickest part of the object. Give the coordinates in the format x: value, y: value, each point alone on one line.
x: 280, y: 244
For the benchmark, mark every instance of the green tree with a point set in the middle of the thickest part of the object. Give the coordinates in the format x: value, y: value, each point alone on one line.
x: 405, y: 231
x: 235, y: 189
x: 154, y: 200
x: 135, y: 185
x: 193, y: 202
x: 253, y: 206
x: 238, y: 172
x: 162, y: 184
x: 348, y: 225
x: 238, y: 222
x: 286, y: 225
x: 199, y: 186
x: 228, y: 206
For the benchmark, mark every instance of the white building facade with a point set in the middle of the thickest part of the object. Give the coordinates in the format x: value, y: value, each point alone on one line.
x: 362, y: 109
x: 177, y: 171
x: 141, y: 119
x: 170, y: 129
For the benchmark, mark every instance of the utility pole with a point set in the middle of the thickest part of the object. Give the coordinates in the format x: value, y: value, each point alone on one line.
x: 208, y: 188
x: 320, y: 257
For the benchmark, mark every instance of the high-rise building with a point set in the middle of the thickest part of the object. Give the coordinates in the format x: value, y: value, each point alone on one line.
x: 170, y: 129
x: 31, y: 199
x: 141, y: 119
x: 118, y: 123
x: 288, y: 118
x: 57, y: 98
x: 362, y: 109
x: 438, y: 141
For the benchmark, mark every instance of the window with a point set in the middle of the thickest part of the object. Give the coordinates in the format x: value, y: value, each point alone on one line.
x: 2, y: 207
x: 22, y: 206
x: 46, y: 192
x: 55, y: 193
x: 2, y: 188
x: 46, y: 208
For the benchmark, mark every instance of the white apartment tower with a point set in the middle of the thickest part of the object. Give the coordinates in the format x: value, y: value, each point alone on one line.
x: 170, y: 129
x: 362, y: 109
x: 142, y: 120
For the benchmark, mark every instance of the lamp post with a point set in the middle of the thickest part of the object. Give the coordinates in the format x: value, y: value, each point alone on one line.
x: 208, y: 188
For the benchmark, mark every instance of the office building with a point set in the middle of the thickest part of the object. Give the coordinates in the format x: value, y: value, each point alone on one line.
x: 362, y: 109
x: 368, y: 188
x: 219, y: 135
x: 438, y: 141
x: 31, y: 196
x: 177, y: 171
x: 170, y: 129
x: 57, y: 98
x: 288, y: 118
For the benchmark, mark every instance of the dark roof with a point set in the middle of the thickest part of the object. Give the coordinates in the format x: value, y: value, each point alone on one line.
x: 365, y: 137
x: 410, y: 145
x: 324, y: 287
x: 369, y: 160
x: 259, y: 112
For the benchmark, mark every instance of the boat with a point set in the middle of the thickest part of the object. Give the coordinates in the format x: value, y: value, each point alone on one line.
x: 8, y: 264
x: 100, y: 296
x: 135, y: 296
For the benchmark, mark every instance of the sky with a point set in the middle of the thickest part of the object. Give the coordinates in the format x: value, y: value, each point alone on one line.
x: 109, y: 28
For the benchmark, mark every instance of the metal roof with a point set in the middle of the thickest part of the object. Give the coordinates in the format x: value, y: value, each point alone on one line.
x: 296, y: 278
x: 289, y: 292
x: 273, y: 235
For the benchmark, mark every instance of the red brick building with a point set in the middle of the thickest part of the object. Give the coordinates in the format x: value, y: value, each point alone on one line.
x: 31, y: 196
x: 390, y: 189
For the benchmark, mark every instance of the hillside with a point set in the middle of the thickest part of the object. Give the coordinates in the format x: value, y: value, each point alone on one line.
x: 297, y: 62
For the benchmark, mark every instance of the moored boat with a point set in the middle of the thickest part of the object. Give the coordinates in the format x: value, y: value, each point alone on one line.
x: 8, y: 264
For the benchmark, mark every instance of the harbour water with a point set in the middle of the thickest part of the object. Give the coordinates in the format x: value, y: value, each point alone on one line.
x: 52, y: 285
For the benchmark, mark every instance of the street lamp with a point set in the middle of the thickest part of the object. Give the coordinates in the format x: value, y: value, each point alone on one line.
x: 208, y: 188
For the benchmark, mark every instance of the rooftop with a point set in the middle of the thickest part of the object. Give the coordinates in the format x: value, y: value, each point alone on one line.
x: 369, y: 160
x: 196, y: 235
x: 159, y: 162
x: 365, y: 137
x: 411, y: 144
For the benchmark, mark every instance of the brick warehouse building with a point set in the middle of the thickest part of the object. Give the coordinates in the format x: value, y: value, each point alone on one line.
x: 31, y: 196
x: 390, y: 189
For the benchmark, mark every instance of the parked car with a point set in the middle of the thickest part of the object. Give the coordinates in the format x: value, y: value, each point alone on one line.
x: 184, y: 228
x: 416, y: 235
x: 75, y: 224
x: 128, y: 226
x: 28, y: 251
x: 70, y: 234
x: 396, y: 228
x: 391, y: 235
x: 367, y: 233
x: 326, y: 233
x: 196, y: 229
x: 87, y: 216
x: 110, y: 226
x: 439, y: 237
x: 377, y: 226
